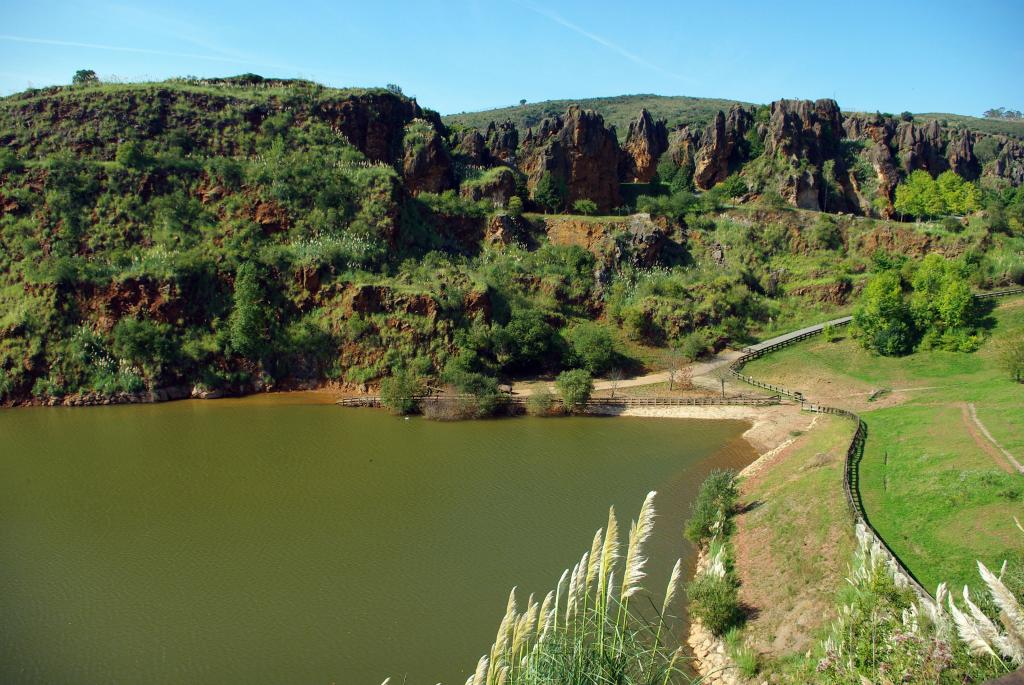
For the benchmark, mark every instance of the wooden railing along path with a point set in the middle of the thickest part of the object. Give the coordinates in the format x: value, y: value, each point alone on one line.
x: 375, y: 401
x: 855, y: 450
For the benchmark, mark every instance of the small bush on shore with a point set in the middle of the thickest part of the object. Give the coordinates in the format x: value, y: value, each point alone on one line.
x: 541, y: 403
x: 714, y: 600
x: 715, y: 501
x: 399, y: 392
x: 575, y: 386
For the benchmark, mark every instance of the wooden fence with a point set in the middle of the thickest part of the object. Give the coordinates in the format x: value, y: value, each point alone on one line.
x: 854, y: 452
x: 1000, y: 293
x: 375, y: 401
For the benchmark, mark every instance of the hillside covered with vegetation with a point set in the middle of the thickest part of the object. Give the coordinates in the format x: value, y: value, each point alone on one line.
x: 201, y: 237
x: 618, y: 111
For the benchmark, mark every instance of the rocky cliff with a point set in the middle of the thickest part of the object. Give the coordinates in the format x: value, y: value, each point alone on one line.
x: 646, y: 140
x: 721, y: 150
x: 578, y: 149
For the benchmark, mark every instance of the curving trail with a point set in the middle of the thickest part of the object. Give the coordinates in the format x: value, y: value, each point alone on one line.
x: 984, y: 440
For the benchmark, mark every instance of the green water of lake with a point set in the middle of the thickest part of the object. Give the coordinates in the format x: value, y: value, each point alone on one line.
x: 271, y: 540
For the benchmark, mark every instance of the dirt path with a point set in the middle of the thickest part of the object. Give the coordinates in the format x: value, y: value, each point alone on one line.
x: 985, y: 441
x: 698, y: 371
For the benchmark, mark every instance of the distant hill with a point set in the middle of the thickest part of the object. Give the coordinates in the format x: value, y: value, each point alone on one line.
x: 1004, y: 127
x: 678, y: 110
x: 618, y: 111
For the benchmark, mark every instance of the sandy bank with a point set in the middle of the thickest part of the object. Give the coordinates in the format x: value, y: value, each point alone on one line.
x: 770, y: 426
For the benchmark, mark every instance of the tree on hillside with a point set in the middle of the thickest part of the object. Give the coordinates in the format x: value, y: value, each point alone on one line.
x: 1010, y: 353
x: 919, y: 196
x: 84, y: 77
x: 959, y: 196
x: 922, y: 197
x: 882, y: 319
x: 550, y: 192
x: 942, y: 305
x: 247, y: 324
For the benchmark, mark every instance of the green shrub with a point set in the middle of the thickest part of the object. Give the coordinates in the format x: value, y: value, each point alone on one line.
x: 734, y: 186
x: 550, y: 192
x: 694, y: 346
x: 714, y: 504
x: 515, y: 206
x: 575, y: 387
x: 592, y: 347
x: 585, y: 206
x: 399, y: 392
x: 825, y: 234
x: 714, y: 600
x: 540, y: 403
x: 882, y: 319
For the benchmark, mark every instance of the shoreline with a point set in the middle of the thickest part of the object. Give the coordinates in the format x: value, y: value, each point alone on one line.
x: 770, y: 430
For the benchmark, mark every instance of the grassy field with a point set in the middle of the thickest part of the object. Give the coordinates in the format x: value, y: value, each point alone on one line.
x: 933, y: 485
x: 794, y: 540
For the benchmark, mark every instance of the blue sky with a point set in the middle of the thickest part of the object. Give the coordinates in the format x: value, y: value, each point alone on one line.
x: 461, y: 55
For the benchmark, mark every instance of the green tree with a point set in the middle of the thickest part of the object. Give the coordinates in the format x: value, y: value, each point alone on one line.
x: 400, y: 390
x: 550, y: 192
x: 958, y: 196
x: 575, y: 387
x: 942, y: 304
x: 84, y: 77
x: 585, y: 206
x: 882, y: 317
x: 130, y: 154
x: 515, y: 206
x: 248, y: 323
x: 592, y: 346
x: 919, y: 196
x: 667, y: 169
x: 1010, y: 353
x: 146, y: 344
x: 527, y: 342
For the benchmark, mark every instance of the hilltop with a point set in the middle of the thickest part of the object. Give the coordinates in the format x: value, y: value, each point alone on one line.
x: 618, y: 111
x: 679, y: 111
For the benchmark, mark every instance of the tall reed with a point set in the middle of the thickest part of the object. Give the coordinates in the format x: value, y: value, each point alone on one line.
x: 588, y: 634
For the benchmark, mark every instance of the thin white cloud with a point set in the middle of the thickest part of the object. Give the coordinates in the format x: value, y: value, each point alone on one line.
x: 121, y: 48
x: 601, y: 40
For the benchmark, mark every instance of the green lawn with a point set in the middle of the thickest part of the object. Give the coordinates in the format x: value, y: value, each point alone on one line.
x: 938, y: 497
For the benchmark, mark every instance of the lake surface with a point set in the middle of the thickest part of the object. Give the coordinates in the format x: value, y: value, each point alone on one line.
x: 273, y: 540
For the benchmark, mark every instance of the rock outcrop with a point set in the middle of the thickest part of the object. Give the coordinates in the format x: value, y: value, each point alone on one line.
x: 426, y: 164
x: 646, y: 140
x: 920, y: 147
x: 1009, y: 163
x: 960, y: 156
x: 580, y: 150
x: 374, y: 123
x: 503, y: 142
x: 497, y: 185
x: 807, y: 134
x: 473, y: 148
x: 721, y: 148
x: 802, y: 129
x: 637, y: 240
